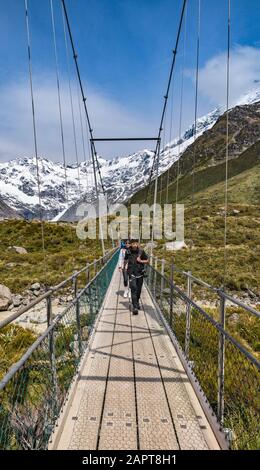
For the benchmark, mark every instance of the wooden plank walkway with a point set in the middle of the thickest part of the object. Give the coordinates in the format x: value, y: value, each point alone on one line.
x: 132, y: 391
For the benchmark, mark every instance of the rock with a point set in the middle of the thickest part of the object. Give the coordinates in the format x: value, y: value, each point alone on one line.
x: 11, y: 307
x: 84, y: 333
x: 167, y: 291
x: 10, y: 265
x: 35, y: 286
x: 18, y: 249
x: 17, y: 300
x: 5, y: 297
x: 150, y: 245
x: 36, y: 293
x: 38, y: 317
x: 235, y: 212
x: 234, y: 318
x: 175, y: 246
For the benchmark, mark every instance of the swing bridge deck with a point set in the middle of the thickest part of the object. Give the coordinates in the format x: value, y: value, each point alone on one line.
x: 132, y: 391
x: 168, y: 378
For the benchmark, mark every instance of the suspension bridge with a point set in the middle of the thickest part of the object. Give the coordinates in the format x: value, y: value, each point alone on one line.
x: 100, y: 378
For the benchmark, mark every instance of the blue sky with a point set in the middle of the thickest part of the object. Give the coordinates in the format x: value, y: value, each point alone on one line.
x: 124, y: 49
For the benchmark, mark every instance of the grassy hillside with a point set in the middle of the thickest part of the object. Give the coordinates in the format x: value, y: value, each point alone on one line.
x: 64, y: 253
x: 204, y: 221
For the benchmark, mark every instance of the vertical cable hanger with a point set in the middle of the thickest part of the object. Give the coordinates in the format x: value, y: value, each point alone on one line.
x: 158, y: 145
x: 164, y: 140
x: 35, y: 137
x: 90, y: 130
x: 195, y: 121
x: 181, y: 105
x: 71, y: 100
x: 59, y: 103
x: 166, y: 96
x: 82, y: 135
x: 170, y: 139
x: 227, y: 142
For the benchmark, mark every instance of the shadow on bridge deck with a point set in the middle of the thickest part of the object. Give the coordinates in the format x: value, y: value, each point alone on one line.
x: 132, y: 391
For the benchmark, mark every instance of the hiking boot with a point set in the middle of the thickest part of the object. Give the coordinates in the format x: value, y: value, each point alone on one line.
x: 135, y: 311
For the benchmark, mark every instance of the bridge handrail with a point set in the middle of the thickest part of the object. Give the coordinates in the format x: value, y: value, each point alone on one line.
x: 226, y: 373
x: 216, y: 324
x: 34, y: 389
x: 54, y: 289
x: 15, y: 368
x: 217, y: 290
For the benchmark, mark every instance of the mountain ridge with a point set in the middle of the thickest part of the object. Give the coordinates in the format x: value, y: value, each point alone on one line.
x: 122, y: 177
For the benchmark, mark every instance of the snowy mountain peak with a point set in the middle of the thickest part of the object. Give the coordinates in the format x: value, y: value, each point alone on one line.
x: 122, y: 177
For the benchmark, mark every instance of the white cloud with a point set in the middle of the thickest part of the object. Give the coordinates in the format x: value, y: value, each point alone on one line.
x: 244, y: 75
x: 108, y: 118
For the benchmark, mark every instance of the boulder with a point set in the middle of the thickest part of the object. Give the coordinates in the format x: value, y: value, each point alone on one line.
x: 5, y: 297
x: 235, y: 212
x: 17, y: 300
x: 84, y: 333
x: 18, y: 249
x: 234, y: 318
x: 36, y: 286
x: 175, y: 246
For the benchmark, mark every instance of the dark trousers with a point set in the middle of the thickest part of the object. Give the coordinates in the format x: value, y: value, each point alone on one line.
x: 136, y: 284
x: 125, y: 277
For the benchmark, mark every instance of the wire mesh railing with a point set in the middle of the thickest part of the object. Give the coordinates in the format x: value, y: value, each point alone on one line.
x: 34, y: 390
x: 227, y: 373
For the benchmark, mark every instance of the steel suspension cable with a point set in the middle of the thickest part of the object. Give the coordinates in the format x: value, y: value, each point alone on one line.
x: 71, y: 100
x: 227, y: 142
x: 170, y: 139
x: 195, y: 124
x: 35, y: 136
x: 84, y: 99
x: 164, y: 140
x: 82, y: 135
x: 166, y: 97
x: 157, y: 150
x: 181, y: 105
x: 59, y: 103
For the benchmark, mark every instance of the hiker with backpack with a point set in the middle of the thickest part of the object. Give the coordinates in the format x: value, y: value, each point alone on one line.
x: 135, y: 260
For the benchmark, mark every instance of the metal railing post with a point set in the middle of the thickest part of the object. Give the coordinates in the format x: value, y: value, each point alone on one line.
x: 77, y: 305
x: 171, y: 293
x: 221, y: 361
x: 52, y: 356
x: 94, y: 267
x: 150, y: 270
x: 162, y: 280
x: 188, y: 316
x: 87, y: 274
x: 155, y: 276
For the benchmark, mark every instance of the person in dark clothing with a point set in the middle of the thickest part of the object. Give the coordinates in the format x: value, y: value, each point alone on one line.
x: 135, y: 260
x: 125, y: 247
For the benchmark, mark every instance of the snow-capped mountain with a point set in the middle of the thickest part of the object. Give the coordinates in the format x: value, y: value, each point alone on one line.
x: 122, y: 177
